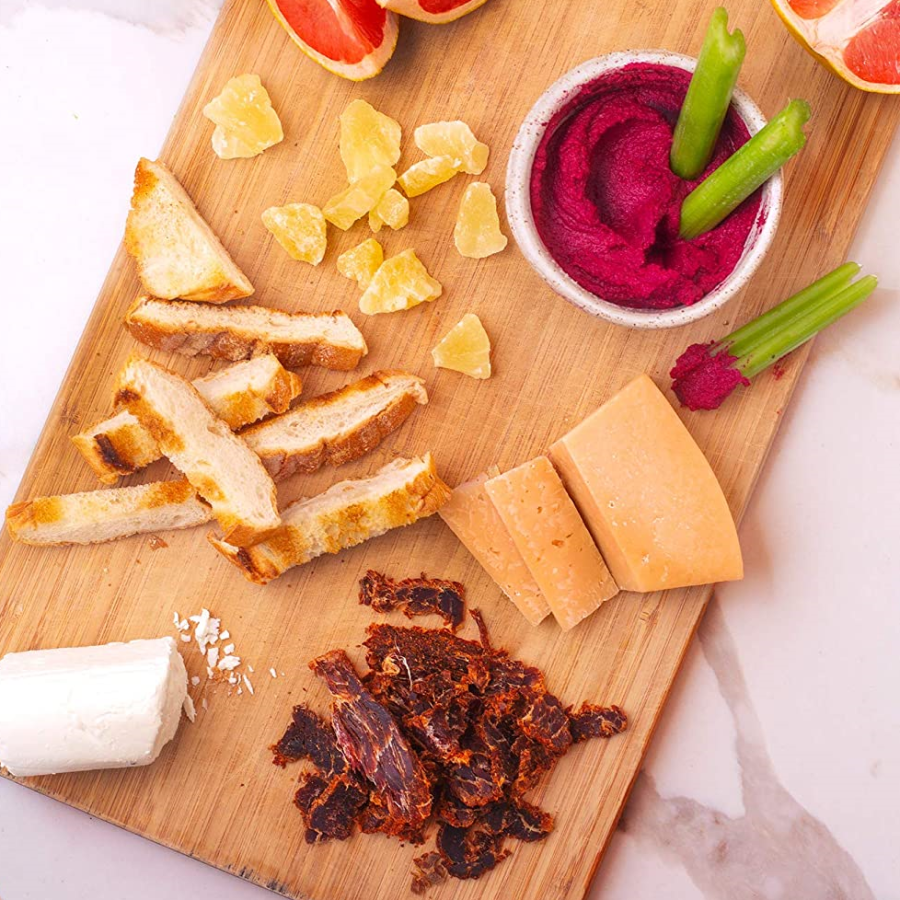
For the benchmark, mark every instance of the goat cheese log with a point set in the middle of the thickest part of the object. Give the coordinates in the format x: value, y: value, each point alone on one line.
x: 80, y: 708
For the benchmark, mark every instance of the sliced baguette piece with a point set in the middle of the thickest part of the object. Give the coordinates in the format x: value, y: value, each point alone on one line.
x: 348, y: 513
x: 330, y: 340
x: 176, y: 252
x: 336, y: 427
x: 92, y: 517
x: 239, y: 395
x: 222, y: 468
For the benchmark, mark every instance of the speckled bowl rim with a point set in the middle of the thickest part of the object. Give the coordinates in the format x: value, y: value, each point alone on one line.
x: 521, y: 220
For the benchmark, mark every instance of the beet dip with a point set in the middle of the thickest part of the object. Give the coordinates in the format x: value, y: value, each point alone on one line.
x: 702, y: 379
x: 607, y: 205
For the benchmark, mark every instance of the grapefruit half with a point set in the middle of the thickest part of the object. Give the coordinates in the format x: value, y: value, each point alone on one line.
x: 435, y: 12
x: 857, y: 39
x: 352, y: 38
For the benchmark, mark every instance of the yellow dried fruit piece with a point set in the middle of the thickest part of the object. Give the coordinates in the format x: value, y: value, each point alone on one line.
x: 345, y: 208
x: 453, y: 139
x: 368, y: 139
x: 429, y: 173
x: 477, y: 233
x: 246, y: 123
x: 392, y: 210
x: 361, y: 262
x: 465, y: 348
x: 401, y: 282
x: 300, y: 229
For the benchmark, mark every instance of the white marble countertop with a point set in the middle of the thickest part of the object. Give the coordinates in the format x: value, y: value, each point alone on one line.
x: 776, y: 770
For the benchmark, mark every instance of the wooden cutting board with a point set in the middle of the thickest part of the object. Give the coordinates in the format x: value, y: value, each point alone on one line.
x: 214, y: 793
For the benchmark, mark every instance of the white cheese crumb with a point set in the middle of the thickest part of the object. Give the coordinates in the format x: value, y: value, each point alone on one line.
x: 225, y: 635
x: 229, y: 649
x: 232, y: 678
x: 249, y: 686
x: 186, y: 638
x: 204, y: 704
x: 229, y: 662
x: 189, y: 709
x: 195, y: 680
x: 210, y: 671
x: 240, y: 690
x: 249, y: 668
x: 206, y: 629
x: 273, y: 673
x: 212, y: 656
x: 175, y: 619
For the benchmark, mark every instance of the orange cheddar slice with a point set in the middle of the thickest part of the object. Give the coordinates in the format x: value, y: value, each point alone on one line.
x: 472, y: 517
x: 557, y: 548
x: 648, y: 494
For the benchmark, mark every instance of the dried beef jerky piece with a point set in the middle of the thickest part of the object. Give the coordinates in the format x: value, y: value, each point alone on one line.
x: 415, y: 596
x: 309, y: 737
x: 454, y: 812
x: 429, y: 870
x: 596, y: 722
x: 520, y: 820
x: 534, y: 761
x: 372, y: 742
x: 329, y: 806
x: 415, y: 653
x: 545, y: 720
x: 483, y: 635
x: 472, y: 779
x: 469, y: 852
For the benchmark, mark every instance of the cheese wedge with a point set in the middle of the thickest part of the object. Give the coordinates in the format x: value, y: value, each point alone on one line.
x: 79, y: 708
x: 473, y: 518
x: 648, y: 494
x: 555, y: 544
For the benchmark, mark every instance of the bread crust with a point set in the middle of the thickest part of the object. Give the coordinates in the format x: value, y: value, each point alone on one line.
x: 120, y: 445
x: 232, y: 342
x: 282, y: 462
x: 197, y: 442
x: 310, y: 528
x: 151, y: 239
x: 93, y: 517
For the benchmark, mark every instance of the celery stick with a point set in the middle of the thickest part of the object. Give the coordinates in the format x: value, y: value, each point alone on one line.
x: 708, y: 97
x: 794, y: 333
x: 741, y: 174
x: 741, y: 342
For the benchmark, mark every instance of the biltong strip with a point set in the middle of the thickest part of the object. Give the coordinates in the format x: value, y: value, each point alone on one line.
x: 373, y: 744
x: 469, y: 852
x: 329, y: 806
x: 309, y: 737
x: 415, y: 596
x: 596, y: 722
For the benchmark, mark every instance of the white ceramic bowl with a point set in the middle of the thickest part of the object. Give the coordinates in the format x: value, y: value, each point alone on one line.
x: 521, y: 220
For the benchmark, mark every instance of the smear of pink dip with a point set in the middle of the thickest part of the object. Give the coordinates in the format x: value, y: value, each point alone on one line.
x: 703, y: 381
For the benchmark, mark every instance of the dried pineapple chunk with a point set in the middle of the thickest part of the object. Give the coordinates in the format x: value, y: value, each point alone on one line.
x: 300, y: 229
x: 345, y: 208
x: 368, y: 139
x: 246, y: 123
x: 465, y: 348
x: 392, y: 210
x: 429, y: 173
x: 361, y: 262
x: 477, y: 233
x: 401, y: 282
x: 453, y: 139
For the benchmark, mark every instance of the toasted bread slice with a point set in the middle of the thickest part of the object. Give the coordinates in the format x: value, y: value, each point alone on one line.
x: 92, y: 517
x: 330, y: 340
x: 239, y: 395
x: 222, y: 468
x: 336, y: 427
x: 348, y: 513
x: 176, y: 252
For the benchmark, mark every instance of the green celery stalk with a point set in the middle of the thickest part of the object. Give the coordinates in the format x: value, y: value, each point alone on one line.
x: 739, y: 343
x: 792, y: 334
x: 741, y: 174
x: 708, y: 97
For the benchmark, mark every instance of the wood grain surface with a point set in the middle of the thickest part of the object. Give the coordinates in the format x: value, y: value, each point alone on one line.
x: 214, y: 793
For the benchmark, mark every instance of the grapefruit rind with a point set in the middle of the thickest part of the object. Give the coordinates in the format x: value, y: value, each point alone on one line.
x: 366, y: 68
x: 411, y: 9
x: 830, y: 57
